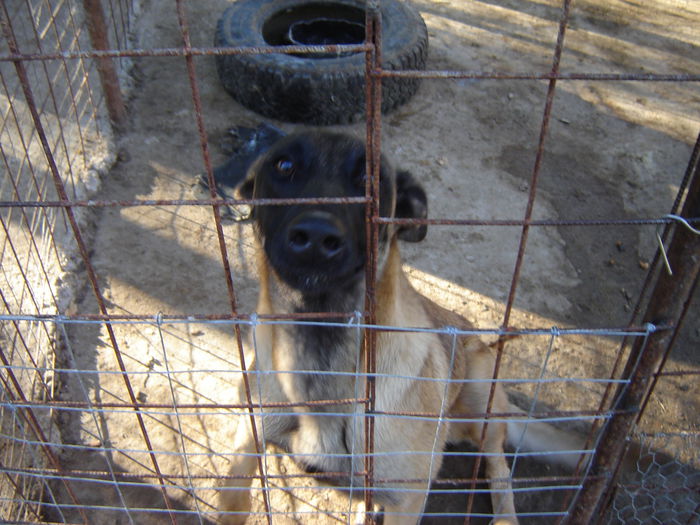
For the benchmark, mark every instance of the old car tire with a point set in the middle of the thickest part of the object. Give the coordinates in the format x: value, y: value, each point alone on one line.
x: 314, y: 89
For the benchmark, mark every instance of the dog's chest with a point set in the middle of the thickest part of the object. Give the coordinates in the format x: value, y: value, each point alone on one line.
x: 321, y: 361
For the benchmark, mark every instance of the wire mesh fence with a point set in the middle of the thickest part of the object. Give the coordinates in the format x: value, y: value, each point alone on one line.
x: 124, y: 347
x: 664, y: 489
x: 64, y: 98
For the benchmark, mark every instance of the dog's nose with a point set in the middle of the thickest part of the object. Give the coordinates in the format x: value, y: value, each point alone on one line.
x: 316, y: 236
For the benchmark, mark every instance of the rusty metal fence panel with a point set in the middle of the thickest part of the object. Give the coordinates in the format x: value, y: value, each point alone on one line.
x: 55, y: 106
x: 80, y: 440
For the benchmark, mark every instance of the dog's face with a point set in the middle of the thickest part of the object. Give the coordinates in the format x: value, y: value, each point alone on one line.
x: 317, y: 248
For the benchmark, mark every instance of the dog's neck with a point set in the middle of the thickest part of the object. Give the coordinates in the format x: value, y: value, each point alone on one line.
x: 284, y: 299
x: 322, y: 344
x: 277, y: 297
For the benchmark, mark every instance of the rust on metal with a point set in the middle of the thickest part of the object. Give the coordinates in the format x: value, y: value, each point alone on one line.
x: 373, y: 100
x: 33, y: 423
x: 533, y: 185
x: 354, y: 48
x: 216, y: 209
x: 669, y: 300
x: 97, y: 28
x: 643, y: 294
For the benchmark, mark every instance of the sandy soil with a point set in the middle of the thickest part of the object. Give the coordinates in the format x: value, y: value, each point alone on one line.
x: 615, y: 150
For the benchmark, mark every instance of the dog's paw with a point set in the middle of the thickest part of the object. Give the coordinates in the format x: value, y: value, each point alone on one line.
x: 234, y: 506
x: 505, y: 521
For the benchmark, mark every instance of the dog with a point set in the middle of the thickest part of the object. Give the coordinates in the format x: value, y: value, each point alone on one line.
x: 312, y: 259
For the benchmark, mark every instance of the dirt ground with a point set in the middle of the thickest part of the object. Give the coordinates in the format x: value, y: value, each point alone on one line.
x: 615, y: 150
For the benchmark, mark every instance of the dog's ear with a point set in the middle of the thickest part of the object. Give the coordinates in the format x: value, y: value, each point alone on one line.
x: 246, y: 188
x: 411, y: 203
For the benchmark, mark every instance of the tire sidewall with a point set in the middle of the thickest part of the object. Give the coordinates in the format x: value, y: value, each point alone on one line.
x: 308, y: 89
x: 242, y: 25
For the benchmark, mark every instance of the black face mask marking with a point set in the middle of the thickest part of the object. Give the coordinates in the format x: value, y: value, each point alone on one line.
x: 321, y: 248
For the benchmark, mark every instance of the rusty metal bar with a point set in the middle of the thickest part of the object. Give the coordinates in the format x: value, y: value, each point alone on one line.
x: 216, y: 209
x: 214, y: 201
x: 52, y: 94
x: 183, y: 52
x: 668, y: 301
x: 355, y: 48
x: 125, y: 476
x: 217, y: 201
x: 544, y: 129
x: 95, y: 17
x: 606, y: 500
x: 179, y: 202
x: 530, y: 222
x: 692, y: 168
x: 373, y: 103
x: 654, y: 266
x: 495, y: 75
x: 14, y: 177
x: 335, y: 200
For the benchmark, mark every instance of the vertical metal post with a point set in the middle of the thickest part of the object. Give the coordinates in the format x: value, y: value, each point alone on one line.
x: 373, y: 104
x: 216, y: 209
x: 667, y: 302
x: 536, y: 170
x: 95, y: 17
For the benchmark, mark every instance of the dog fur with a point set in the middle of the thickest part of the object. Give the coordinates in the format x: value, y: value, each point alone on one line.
x: 329, y: 277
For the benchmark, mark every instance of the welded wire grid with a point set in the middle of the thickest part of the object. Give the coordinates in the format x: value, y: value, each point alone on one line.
x: 107, y: 452
x: 67, y: 100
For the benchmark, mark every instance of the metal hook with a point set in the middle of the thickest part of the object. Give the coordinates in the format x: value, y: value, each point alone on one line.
x: 685, y: 223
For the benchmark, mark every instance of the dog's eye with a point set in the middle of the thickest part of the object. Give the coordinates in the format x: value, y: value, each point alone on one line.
x: 356, y: 166
x: 285, y: 167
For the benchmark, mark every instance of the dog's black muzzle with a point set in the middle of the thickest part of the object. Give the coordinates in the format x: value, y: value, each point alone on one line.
x: 316, y: 238
x: 316, y: 251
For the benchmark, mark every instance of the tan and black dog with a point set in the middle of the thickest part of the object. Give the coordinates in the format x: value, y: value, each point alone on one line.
x: 312, y: 259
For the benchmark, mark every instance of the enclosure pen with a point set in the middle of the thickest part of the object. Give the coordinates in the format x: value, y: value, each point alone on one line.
x: 128, y: 346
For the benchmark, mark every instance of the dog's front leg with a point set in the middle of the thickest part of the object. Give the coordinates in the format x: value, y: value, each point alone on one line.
x: 497, y: 471
x: 473, y: 398
x: 234, y: 495
x: 498, y: 474
x: 407, y: 513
